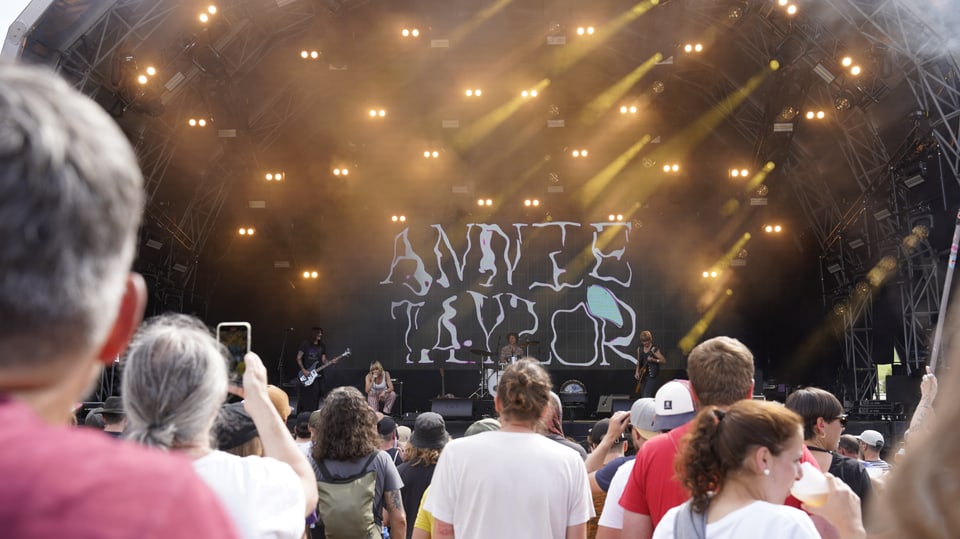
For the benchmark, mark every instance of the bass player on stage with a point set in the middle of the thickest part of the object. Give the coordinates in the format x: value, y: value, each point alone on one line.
x: 649, y: 360
x: 312, y: 351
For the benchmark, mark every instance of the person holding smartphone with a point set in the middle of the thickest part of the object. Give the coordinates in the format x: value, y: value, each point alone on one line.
x: 312, y: 354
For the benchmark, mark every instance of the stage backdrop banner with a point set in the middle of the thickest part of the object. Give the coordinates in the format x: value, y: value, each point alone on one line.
x: 574, y: 290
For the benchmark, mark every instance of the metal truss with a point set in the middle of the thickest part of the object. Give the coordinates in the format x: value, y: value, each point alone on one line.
x: 860, y: 372
x: 918, y: 48
x: 920, y: 300
x: 89, y: 64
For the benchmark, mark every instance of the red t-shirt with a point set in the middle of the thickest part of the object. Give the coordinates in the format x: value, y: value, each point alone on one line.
x: 653, y: 488
x: 79, y: 483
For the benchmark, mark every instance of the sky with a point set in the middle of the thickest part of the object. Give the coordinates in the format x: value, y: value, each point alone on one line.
x: 9, y: 9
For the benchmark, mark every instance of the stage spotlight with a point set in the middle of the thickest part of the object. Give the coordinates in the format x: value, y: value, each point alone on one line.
x: 434, y: 154
x: 304, y: 54
x: 658, y: 87
x: 623, y: 109
x: 381, y: 113
x: 192, y: 122
x: 204, y: 18
x: 201, y: 122
x: 142, y: 79
x: 783, y: 2
x: 415, y: 32
x: 485, y: 202
x: 246, y: 231
x: 306, y: 275
x: 855, y: 70
x: 744, y: 172
x: 688, y: 48
x: 151, y: 71
x: 531, y: 202
x: 399, y: 218
x: 846, y: 61
x: 792, y: 9
x: 212, y: 9
x: 633, y: 109
x: 469, y: 93
x: 314, y: 55
x: 528, y: 93
x: 821, y: 115
x: 711, y: 274
x: 773, y: 229
x: 611, y: 217
x: 619, y: 217
x: 341, y: 171
x: 426, y: 154
x: 269, y: 176
x: 313, y: 275
x: 373, y: 113
x: 579, y: 153
x: 671, y: 167
x: 734, y: 173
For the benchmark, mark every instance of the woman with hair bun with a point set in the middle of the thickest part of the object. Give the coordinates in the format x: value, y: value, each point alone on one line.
x: 512, y: 482
x: 739, y: 466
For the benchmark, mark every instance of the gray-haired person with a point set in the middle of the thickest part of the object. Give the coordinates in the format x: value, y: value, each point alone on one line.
x: 174, y: 381
x: 71, y: 200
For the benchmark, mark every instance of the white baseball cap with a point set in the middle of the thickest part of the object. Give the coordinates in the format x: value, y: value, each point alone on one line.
x: 674, y: 401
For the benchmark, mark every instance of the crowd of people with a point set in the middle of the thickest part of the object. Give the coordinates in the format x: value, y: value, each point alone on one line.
x: 698, y: 459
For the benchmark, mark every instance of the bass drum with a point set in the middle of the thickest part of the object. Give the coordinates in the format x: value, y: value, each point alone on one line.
x: 492, y: 377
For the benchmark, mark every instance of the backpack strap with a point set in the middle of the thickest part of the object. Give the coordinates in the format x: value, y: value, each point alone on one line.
x: 327, y: 475
x: 689, y: 524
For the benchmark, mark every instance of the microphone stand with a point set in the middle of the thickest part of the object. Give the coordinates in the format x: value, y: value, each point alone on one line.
x: 283, y: 348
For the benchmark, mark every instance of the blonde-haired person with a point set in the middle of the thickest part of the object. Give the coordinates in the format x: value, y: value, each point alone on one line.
x: 739, y: 466
x: 379, y: 388
x: 512, y: 482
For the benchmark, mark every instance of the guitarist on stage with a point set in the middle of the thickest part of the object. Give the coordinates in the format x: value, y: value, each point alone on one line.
x: 649, y: 360
x: 311, y: 351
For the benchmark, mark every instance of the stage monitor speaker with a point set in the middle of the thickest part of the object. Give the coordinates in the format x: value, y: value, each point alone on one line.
x: 608, y: 404
x: 452, y: 408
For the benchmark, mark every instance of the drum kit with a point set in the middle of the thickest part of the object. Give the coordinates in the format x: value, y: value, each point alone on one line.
x: 490, y: 376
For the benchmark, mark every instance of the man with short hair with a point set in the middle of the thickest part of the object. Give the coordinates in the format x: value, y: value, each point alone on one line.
x: 71, y: 200
x: 849, y: 446
x: 871, y: 442
x: 721, y: 373
x: 387, y: 429
x: 114, y: 420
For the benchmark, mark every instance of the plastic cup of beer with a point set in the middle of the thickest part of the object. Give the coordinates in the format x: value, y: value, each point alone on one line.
x: 812, y: 488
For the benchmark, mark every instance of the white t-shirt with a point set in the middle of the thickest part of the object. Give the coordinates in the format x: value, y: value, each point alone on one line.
x: 509, y: 484
x: 612, y: 514
x: 759, y: 519
x: 263, y: 495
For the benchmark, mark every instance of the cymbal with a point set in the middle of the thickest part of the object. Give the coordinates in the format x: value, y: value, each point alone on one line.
x: 481, y: 352
x: 527, y: 343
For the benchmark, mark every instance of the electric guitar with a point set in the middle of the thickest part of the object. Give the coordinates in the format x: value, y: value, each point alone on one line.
x: 643, y: 376
x: 314, y: 371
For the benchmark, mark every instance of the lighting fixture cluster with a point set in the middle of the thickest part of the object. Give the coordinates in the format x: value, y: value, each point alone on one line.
x: 310, y: 275
x: 615, y: 217
x: 671, y: 168
x: 341, y: 171
x: 624, y: 109
x: 312, y: 54
x: 431, y: 154
x: 197, y: 122
x: 528, y: 93
x: 410, y: 32
x: 739, y: 172
x: 693, y: 47
x: 205, y: 15
x: 484, y: 202
x: 531, y: 202
x: 399, y: 218
x: 790, y: 8
x: 816, y: 115
x: 851, y: 66
x: 773, y: 229
x: 274, y: 176
x: 579, y: 153
x: 144, y: 78
x: 377, y: 113
x: 247, y: 231
x: 710, y: 274
x: 585, y: 30
x: 473, y: 92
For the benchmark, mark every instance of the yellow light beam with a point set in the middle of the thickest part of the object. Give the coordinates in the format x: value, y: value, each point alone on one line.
x: 700, y: 327
x: 465, y: 29
x: 567, y: 56
x: 731, y: 253
x: 590, y: 190
x: 482, y: 127
x: 603, y: 102
x: 759, y: 177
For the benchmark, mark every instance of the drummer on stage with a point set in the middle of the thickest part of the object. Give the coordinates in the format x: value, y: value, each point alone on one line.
x: 512, y: 351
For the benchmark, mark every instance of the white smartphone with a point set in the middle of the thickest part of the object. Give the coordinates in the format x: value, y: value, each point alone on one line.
x: 235, y: 336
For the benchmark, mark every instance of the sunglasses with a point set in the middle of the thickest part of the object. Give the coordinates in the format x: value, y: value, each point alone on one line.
x: 842, y: 418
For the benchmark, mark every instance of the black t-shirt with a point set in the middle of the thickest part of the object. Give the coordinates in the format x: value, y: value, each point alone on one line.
x: 851, y: 472
x: 416, y: 479
x: 653, y: 368
x: 312, y: 353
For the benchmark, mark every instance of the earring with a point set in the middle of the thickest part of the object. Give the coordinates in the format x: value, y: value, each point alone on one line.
x: 766, y: 471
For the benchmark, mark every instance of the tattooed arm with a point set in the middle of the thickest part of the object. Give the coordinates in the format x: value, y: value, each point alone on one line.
x: 397, y: 516
x: 928, y: 392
